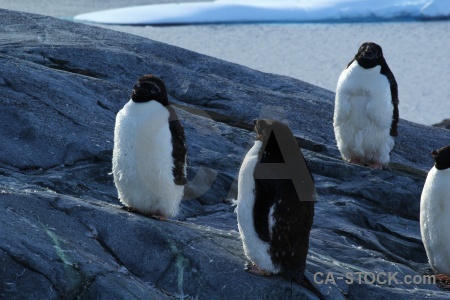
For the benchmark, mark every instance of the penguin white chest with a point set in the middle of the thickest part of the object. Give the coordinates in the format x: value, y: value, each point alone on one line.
x: 142, y: 159
x: 363, y: 114
x: 368, y: 95
x: 435, y: 219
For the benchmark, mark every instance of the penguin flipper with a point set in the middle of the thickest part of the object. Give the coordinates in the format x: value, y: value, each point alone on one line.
x: 254, y: 269
x: 179, y: 152
x: 394, y: 98
x: 380, y: 111
x: 341, y: 108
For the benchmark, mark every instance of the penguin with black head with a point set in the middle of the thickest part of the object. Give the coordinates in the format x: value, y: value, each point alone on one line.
x: 366, y: 109
x: 435, y: 213
x: 275, y: 203
x: 149, y: 156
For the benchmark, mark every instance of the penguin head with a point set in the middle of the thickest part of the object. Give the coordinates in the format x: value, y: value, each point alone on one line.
x: 148, y: 88
x: 369, y: 55
x: 442, y: 158
x: 270, y: 133
x: 265, y: 127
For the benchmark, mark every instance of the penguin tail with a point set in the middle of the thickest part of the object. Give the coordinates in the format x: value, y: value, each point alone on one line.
x: 300, y: 278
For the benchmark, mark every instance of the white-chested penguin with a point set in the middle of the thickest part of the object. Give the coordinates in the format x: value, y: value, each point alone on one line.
x: 149, y: 157
x: 275, y: 203
x: 435, y: 212
x: 366, y: 109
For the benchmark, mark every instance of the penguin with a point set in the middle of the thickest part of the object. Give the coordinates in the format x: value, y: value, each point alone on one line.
x: 150, y: 153
x: 435, y: 212
x: 366, y: 109
x: 275, y: 213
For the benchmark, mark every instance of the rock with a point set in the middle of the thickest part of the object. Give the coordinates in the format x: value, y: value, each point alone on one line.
x: 444, y: 124
x: 64, y: 234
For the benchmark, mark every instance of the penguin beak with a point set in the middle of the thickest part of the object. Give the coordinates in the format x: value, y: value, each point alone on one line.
x: 368, y: 53
x: 434, y: 154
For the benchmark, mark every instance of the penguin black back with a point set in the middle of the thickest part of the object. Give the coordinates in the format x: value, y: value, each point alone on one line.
x: 442, y: 158
x: 369, y: 56
x: 151, y: 88
x: 281, y: 216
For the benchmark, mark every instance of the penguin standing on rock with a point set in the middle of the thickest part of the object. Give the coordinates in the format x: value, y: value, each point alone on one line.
x: 275, y: 203
x: 435, y: 212
x: 366, y: 109
x: 149, y: 156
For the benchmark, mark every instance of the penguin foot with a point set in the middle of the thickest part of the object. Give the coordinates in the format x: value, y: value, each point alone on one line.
x: 127, y: 208
x: 252, y: 268
x: 356, y: 161
x: 442, y: 281
x: 132, y: 210
x: 376, y: 166
x: 158, y: 217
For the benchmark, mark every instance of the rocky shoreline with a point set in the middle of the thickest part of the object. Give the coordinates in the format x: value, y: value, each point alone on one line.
x: 444, y: 124
x: 63, y: 232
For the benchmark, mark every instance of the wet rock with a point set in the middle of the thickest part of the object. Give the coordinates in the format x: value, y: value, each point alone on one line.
x: 444, y: 124
x: 64, y: 234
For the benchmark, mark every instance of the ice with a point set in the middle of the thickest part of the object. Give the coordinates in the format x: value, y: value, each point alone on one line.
x: 436, y: 9
x: 252, y: 11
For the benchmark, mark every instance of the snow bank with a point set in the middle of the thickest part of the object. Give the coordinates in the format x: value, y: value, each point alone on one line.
x: 252, y: 11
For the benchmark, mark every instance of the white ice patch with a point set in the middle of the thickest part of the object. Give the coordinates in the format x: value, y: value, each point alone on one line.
x: 252, y: 11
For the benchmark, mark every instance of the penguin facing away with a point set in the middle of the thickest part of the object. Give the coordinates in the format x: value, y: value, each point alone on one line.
x: 149, y: 156
x: 366, y: 109
x: 435, y: 212
x: 273, y: 219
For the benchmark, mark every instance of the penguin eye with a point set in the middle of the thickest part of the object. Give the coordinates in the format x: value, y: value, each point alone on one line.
x: 152, y: 91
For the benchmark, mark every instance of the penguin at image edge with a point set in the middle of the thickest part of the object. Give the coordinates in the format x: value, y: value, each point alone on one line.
x: 366, y: 109
x: 435, y: 212
x: 274, y: 220
x: 149, y: 156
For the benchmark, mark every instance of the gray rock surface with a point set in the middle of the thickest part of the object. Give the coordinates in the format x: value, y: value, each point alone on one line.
x: 62, y: 230
x: 444, y: 124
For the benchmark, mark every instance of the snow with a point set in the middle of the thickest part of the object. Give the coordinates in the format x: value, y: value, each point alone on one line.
x: 280, y: 11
